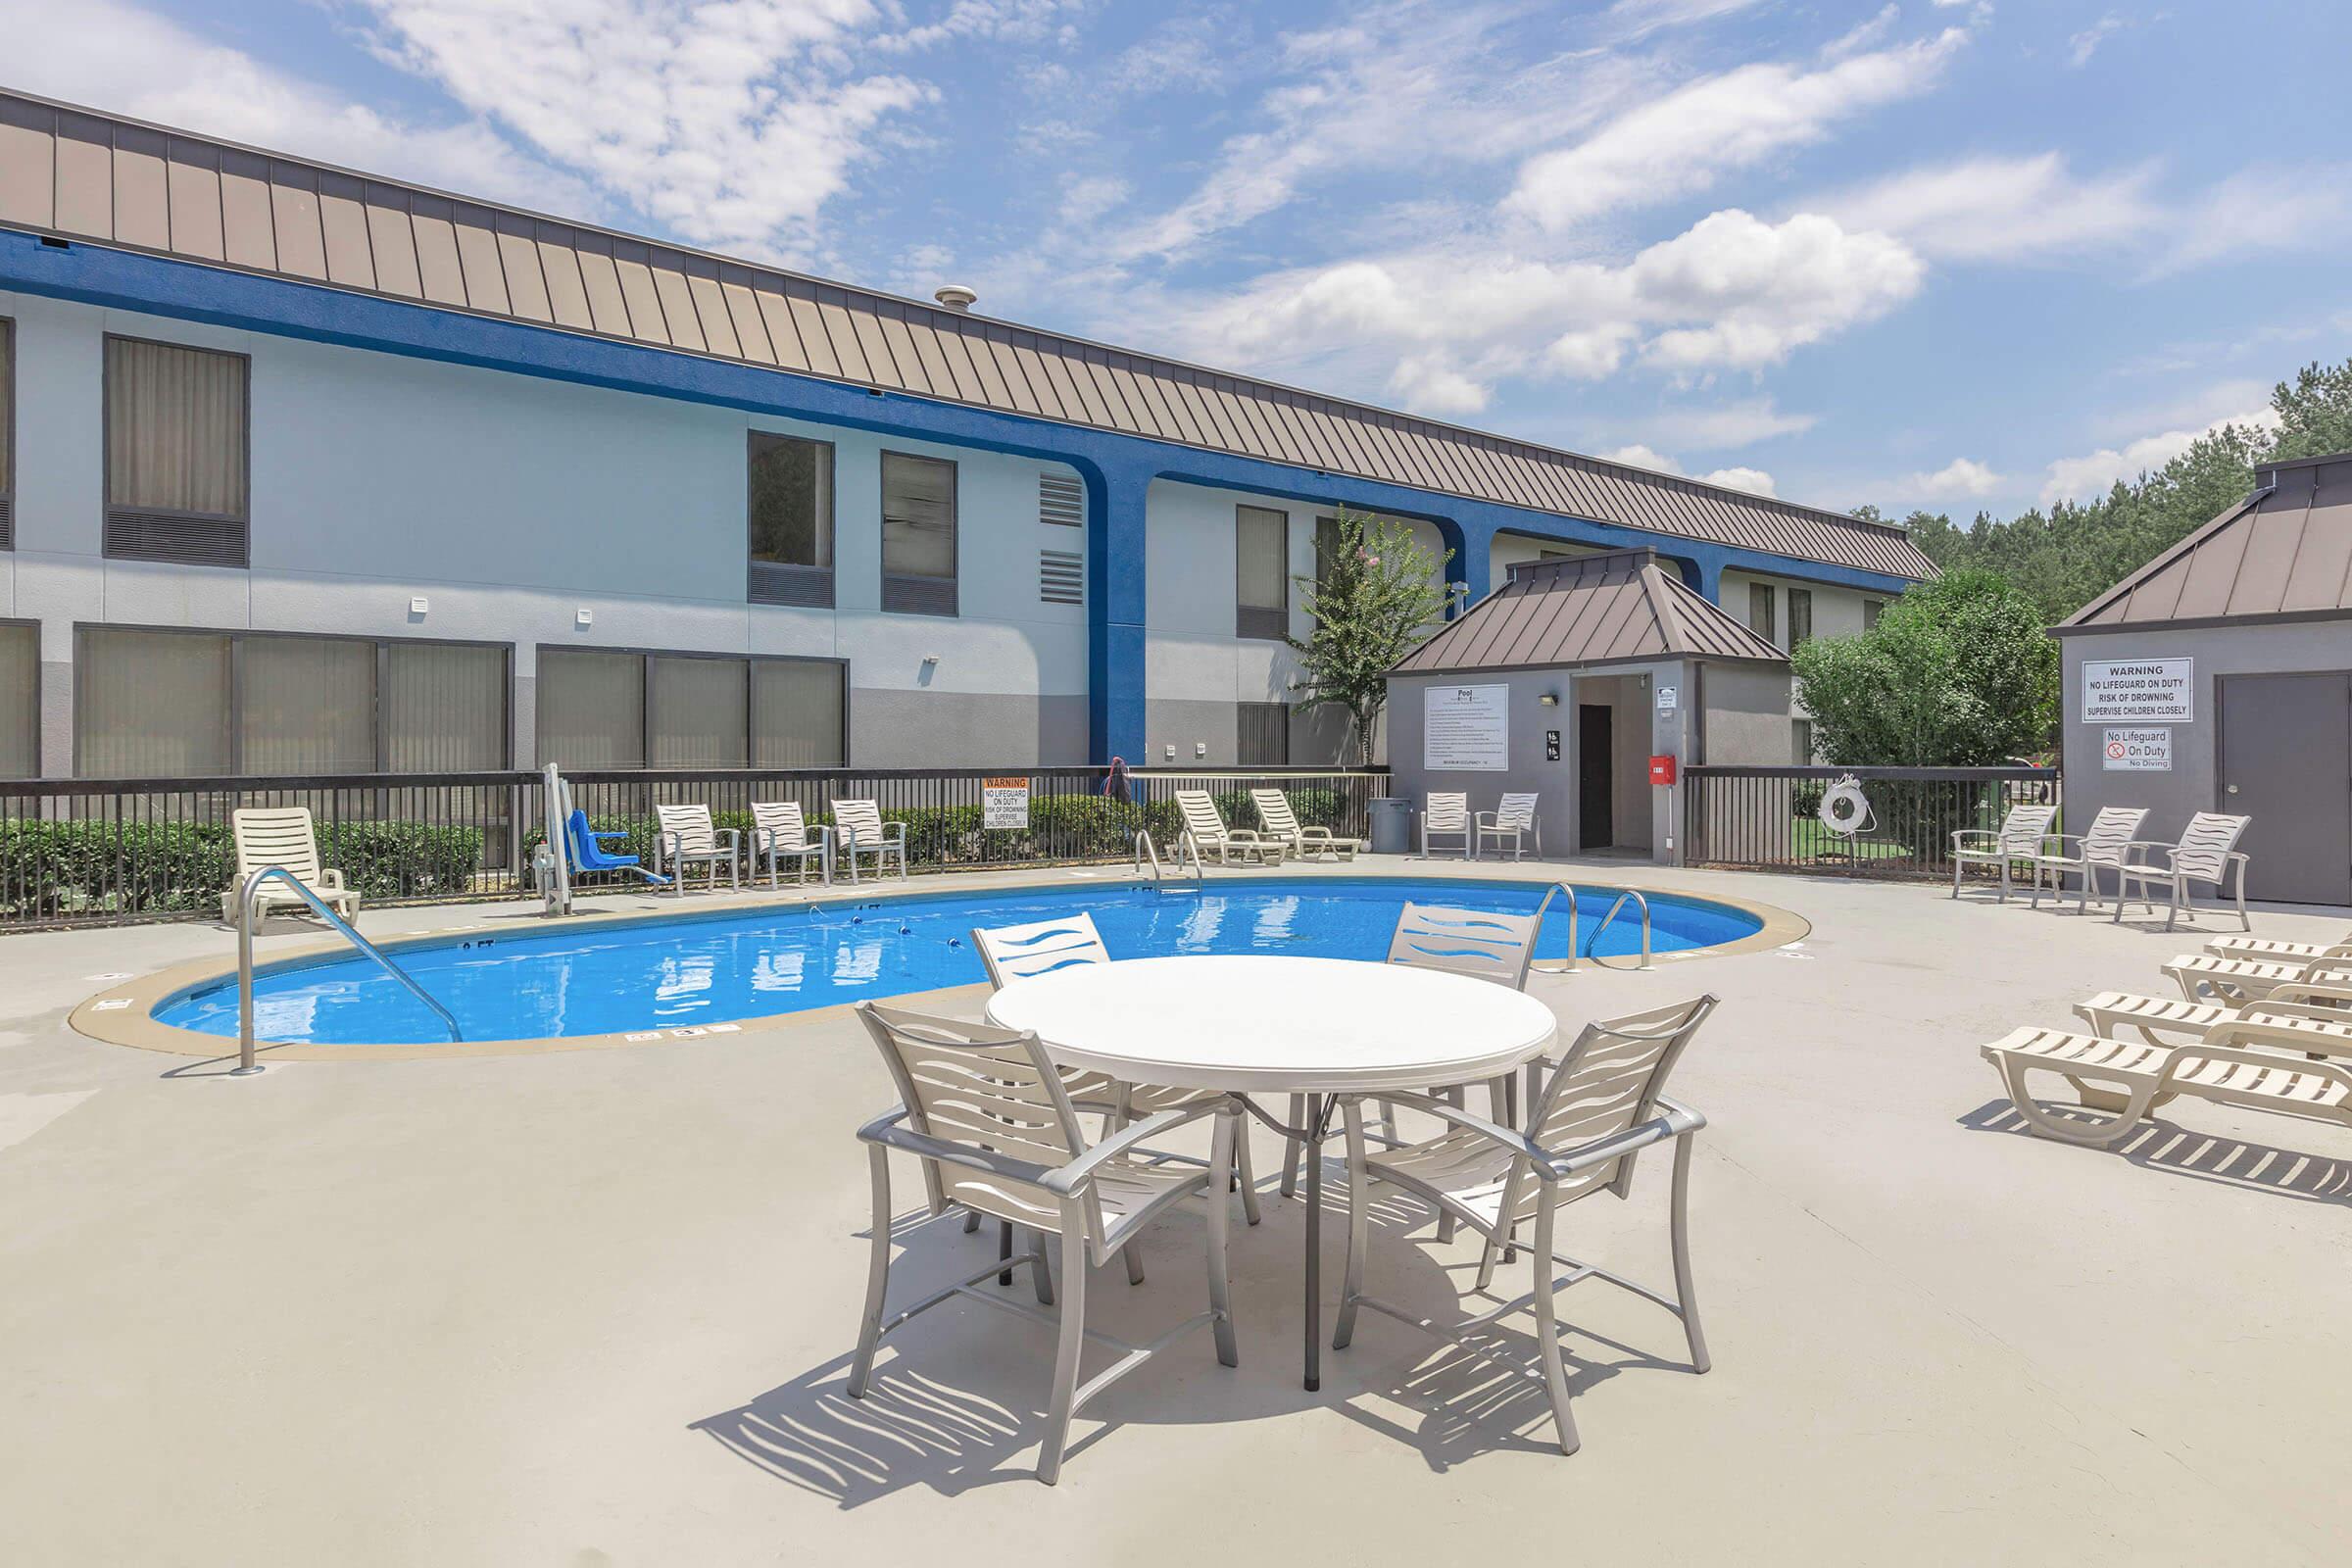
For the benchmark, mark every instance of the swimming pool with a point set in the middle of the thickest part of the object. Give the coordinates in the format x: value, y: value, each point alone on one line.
x: 686, y: 970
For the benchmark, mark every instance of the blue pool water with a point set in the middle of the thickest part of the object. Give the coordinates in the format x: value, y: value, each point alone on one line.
x: 693, y: 970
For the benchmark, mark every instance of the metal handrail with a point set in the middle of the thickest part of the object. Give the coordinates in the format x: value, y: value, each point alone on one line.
x: 1634, y: 894
x: 1146, y: 851
x: 1551, y: 893
x: 246, y: 892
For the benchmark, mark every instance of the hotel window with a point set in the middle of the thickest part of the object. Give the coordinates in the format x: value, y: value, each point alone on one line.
x: 1264, y: 735
x: 1800, y: 618
x: 1759, y: 610
x: 789, y: 483
x: 1803, y: 741
x: 919, y: 535
x: 177, y: 451
x: 20, y: 699
x: 610, y: 708
x: 7, y: 434
x: 1871, y: 609
x: 194, y: 704
x: 1263, y: 573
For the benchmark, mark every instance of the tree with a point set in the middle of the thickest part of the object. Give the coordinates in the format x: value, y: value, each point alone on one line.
x: 1957, y: 673
x: 1376, y: 592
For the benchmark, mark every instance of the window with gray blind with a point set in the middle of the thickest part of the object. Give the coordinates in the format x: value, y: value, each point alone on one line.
x: 1800, y: 618
x: 1263, y: 573
x: 20, y: 699
x: 608, y: 707
x: 789, y: 484
x: 177, y: 454
x: 7, y: 434
x: 1262, y: 738
x: 919, y: 535
x: 1759, y: 610
x: 152, y: 704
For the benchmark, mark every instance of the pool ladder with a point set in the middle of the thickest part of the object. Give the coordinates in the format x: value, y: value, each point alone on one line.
x: 1569, y: 889
x: 1147, y: 854
x: 246, y: 899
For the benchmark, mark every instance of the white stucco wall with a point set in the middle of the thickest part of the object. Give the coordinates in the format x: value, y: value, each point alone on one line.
x: 1836, y: 612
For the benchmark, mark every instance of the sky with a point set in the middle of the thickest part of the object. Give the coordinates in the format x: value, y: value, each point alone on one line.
x: 1952, y: 253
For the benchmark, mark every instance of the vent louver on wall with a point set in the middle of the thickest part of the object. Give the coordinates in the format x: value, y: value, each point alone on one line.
x: 190, y: 541
x: 903, y: 594
x: 1060, y: 577
x: 8, y: 523
x: 805, y: 587
x: 1060, y: 501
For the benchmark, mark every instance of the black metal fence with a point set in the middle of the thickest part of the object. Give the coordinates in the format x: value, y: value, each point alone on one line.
x: 1769, y: 818
x: 78, y: 851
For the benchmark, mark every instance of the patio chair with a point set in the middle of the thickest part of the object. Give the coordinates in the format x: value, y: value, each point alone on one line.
x: 1514, y: 819
x: 585, y: 842
x: 985, y: 1112
x: 1018, y: 952
x: 1446, y: 814
x: 2112, y: 833
x: 283, y: 835
x: 1605, y: 1105
x: 2291, y: 1065
x: 2019, y: 837
x: 1204, y: 825
x: 1281, y: 825
x: 2206, y: 854
x: 687, y: 838
x: 858, y: 830
x: 779, y: 832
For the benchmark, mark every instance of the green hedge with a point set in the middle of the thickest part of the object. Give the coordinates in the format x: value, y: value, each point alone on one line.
x: 159, y: 867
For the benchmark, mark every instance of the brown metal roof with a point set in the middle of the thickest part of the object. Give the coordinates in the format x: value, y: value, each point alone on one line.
x: 84, y: 175
x: 1608, y: 608
x: 2285, y: 551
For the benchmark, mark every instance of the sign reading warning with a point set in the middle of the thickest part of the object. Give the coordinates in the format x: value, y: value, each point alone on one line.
x: 1005, y: 802
x: 2138, y: 690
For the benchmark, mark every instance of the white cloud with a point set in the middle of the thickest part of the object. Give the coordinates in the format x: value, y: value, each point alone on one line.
x: 1678, y: 143
x: 1725, y: 425
x: 1753, y: 480
x: 1013, y: 20
x: 1641, y: 456
x: 2264, y: 209
x: 1998, y: 208
x: 1962, y: 476
x: 729, y: 125
x: 2082, y: 477
x: 118, y: 57
x: 1760, y: 290
x: 2083, y: 45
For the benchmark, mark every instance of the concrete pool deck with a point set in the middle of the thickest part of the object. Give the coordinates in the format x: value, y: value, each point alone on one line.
x: 595, y: 1306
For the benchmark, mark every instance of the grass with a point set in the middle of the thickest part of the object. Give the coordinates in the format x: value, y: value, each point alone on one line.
x: 1808, y: 840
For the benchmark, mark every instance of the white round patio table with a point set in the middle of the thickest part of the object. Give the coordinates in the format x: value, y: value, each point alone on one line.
x: 1320, y: 1028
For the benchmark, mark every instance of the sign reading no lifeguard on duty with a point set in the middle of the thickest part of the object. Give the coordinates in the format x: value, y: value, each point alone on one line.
x: 2145, y: 690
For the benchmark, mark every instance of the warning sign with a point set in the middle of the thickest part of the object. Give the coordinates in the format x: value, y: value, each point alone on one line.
x: 2137, y: 751
x: 1005, y: 803
x: 2145, y: 690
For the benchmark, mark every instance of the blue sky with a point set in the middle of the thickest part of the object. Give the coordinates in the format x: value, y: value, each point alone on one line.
x: 1938, y: 251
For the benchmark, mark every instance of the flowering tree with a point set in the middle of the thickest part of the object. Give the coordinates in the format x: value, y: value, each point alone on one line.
x: 1377, y: 592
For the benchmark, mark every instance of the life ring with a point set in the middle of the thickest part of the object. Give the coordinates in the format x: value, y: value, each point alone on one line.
x: 1845, y: 808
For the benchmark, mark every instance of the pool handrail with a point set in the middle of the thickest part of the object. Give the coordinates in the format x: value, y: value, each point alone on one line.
x: 1550, y: 894
x: 1148, y: 852
x: 245, y: 907
x: 1574, y: 909
x: 1636, y: 894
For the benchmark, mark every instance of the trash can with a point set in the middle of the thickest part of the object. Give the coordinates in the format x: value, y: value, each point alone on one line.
x: 1391, y: 826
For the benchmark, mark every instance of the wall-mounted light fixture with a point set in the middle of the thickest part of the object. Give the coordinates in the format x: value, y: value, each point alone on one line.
x: 1549, y: 700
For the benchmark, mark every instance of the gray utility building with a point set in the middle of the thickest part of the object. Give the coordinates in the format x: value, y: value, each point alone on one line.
x: 2219, y: 678
x: 1567, y: 680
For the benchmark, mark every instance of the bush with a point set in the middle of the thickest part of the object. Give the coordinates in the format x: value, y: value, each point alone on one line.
x: 402, y: 859
x: 65, y: 868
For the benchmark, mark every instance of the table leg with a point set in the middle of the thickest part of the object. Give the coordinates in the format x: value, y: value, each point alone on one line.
x: 1315, y: 1112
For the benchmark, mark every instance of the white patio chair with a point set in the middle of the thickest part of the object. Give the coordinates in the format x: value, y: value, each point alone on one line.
x: 687, y: 838
x: 2112, y: 833
x: 1605, y: 1105
x: 1514, y: 821
x: 1446, y: 814
x: 2206, y: 854
x: 858, y: 830
x: 985, y: 1112
x: 283, y: 835
x: 1281, y: 825
x: 780, y: 832
x: 1205, y: 827
x: 2019, y: 837
x: 1018, y: 952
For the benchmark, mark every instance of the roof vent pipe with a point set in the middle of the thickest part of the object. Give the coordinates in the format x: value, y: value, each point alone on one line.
x: 956, y: 297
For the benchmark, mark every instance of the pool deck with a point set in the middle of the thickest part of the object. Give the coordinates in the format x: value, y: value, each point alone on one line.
x: 595, y: 1306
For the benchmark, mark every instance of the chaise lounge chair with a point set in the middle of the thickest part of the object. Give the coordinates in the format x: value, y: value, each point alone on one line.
x: 282, y: 836
x: 2203, y: 977
x: 1205, y: 827
x: 2017, y: 839
x: 1282, y: 826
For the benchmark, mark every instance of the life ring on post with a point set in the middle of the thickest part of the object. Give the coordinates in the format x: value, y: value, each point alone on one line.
x: 1845, y: 808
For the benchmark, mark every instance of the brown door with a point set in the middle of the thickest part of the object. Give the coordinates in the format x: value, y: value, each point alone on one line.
x: 2286, y: 764
x: 1595, y: 777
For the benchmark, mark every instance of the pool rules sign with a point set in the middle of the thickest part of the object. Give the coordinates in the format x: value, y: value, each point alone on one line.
x: 1466, y: 729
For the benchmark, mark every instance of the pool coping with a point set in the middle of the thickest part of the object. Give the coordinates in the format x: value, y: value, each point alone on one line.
x: 123, y: 1013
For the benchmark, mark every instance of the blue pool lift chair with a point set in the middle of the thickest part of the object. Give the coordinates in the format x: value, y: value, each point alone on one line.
x: 588, y: 852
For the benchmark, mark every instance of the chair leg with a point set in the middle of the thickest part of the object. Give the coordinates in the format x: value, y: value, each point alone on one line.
x: 1957, y: 863
x: 1293, y: 1148
x: 1042, y: 1266
x: 1072, y: 1340
x: 1245, y: 1170
x: 1220, y: 1221
x: 1135, y: 1263
x: 877, y: 1275
x: 1683, y: 1293
x: 1351, y: 1283
x: 1004, y: 1248
x: 1548, y: 1331
x: 971, y: 1220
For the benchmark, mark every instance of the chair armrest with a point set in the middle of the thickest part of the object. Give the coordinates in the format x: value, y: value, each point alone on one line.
x: 331, y: 881
x: 2305, y: 992
x: 1632, y: 1141
x: 1547, y: 1167
x: 1992, y: 839
x: 894, y: 830
x: 1066, y: 1179
x: 2271, y: 1037
x: 1237, y: 834
x: 602, y: 834
x: 886, y: 1130
x: 1315, y: 832
x: 2186, y: 1058
x: 733, y: 838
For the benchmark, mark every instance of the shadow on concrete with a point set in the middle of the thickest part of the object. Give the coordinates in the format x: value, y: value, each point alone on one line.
x: 2163, y: 1146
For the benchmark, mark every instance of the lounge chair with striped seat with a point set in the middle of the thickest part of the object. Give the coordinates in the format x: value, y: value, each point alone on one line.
x: 283, y: 835
x: 688, y: 838
x: 1281, y: 825
x: 1512, y: 822
x: 2202, y: 977
x: 2018, y: 840
x: 2207, y: 853
x: 858, y: 830
x: 780, y: 833
x: 2159, y: 1019
x: 2112, y: 834
x: 2254, y: 1064
x: 1204, y: 825
x: 2269, y: 949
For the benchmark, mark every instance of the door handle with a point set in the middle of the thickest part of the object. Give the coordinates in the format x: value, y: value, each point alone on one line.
x: 2233, y: 789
